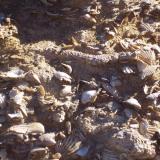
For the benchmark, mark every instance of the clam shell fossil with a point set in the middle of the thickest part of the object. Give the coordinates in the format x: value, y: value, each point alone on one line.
x: 34, y: 127
x: 146, y: 70
x: 69, y: 145
x: 133, y: 102
x: 89, y: 96
x: 146, y: 129
x: 63, y: 77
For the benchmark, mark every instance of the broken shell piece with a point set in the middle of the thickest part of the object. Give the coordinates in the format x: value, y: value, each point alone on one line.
x: 68, y: 68
x: 27, y: 128
x: 146, y: 129
x: 16, y: 96
x: 113, y: 106
x: 14, y: 73
x: 133, y: 102
x: 89, y: 18
x: 69, y: 145
x: 89, y: 96
x: 134, y: 126
x: 143, y: 126
x: 128, y: 70
x: 68, y: 127
x: 153, y: 96
x: 16, y: 116
x: 32, y: 77
x: 48, y: 139
x: 66, y: 91
x: 146, y: 89
x: 59, y: 116
x: 147, y: 56
x: 2, y: 100
x: 22, y: 85
x: 63, y: 77
x: 148, y: 71
x: 39, y: 153
x: 56, y: 156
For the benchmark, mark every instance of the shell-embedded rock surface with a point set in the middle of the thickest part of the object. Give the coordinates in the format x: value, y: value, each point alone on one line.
x: 79, y: 79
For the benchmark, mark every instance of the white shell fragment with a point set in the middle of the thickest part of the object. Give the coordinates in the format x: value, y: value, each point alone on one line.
x: 59, y: 116
x: 66, y: 91
x: 17, y: 115
x: 63, y: 77
x: 48, y: 139
x: 133, y: 102
x: 14, y: 73
x: 146, y: 89
x: 153, y: 96
x: 69, y: 145
x: 89, y: 96
x: 2, y: 100
x: 143, y: 127
x: 16, y: 96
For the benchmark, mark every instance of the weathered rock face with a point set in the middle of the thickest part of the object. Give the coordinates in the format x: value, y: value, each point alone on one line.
x: 79, y: 79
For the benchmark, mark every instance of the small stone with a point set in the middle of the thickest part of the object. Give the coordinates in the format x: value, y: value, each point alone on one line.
x: 56, y: 156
